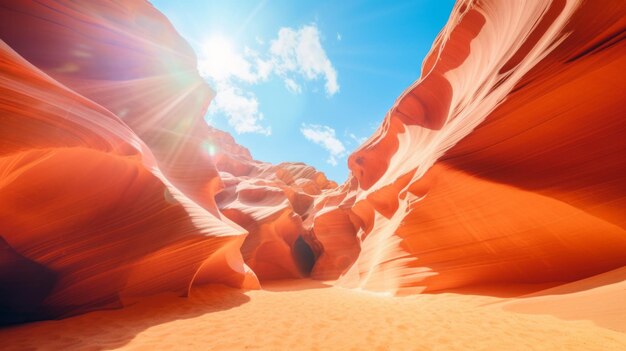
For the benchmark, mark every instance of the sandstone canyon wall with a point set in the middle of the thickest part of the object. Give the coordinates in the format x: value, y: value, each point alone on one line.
x: 503, y: 163
x: 106, y: 192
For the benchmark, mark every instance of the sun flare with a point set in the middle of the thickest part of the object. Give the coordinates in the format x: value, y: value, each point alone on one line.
x: 218, y: 57
x: 167, y: 175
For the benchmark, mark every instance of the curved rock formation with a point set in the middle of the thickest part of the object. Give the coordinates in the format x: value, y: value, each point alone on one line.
x: 502, y: 163
x: 106, y: 193
x: 270, y: 202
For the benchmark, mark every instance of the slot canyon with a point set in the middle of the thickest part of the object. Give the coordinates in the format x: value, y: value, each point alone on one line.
x: 492, y: 194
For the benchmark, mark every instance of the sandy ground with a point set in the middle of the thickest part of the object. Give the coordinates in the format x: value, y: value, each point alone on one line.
x: 308, y: 315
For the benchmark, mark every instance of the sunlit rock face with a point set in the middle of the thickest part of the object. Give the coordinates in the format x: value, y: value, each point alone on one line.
x: 271, y: 202
x: 106, y: 190
x: 503, y: 163
x: 128, y: 59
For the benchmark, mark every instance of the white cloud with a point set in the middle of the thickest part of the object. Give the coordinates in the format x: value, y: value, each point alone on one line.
x: 296, y: 55
x: 358, y: 140
x: 301, y: 51
x: 325, y: 137
x: 219, y: 62
x: 292, y: 86
x: 338, y: 36
x: 241, y: 109
x: 225, y: 69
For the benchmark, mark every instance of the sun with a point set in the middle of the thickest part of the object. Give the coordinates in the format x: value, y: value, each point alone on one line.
x: 217, y: 57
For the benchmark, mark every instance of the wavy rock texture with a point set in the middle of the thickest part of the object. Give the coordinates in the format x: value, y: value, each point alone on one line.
x: 270, y: 202
x: 503, y: 163
x: 106, y: 192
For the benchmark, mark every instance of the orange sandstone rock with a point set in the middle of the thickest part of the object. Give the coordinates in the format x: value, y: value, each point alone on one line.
x: 101, y: 198
x: 270, y: 202
x: 501, y: 164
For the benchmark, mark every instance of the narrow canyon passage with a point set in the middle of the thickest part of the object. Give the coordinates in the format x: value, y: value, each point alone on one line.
x: 485, y: 211
x: 304, y: 256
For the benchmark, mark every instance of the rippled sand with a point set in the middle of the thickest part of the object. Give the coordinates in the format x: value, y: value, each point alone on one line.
x: 308, y: 315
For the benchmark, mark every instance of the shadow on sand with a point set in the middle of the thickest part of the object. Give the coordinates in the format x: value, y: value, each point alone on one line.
x: 543, y: 289
x: 105, y: 330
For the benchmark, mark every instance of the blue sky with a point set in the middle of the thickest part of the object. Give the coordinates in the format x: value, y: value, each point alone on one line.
x: 306, y: 81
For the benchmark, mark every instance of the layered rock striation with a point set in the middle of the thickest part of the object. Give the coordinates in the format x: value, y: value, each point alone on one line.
x: 503, y: 163
x: 106, y: 193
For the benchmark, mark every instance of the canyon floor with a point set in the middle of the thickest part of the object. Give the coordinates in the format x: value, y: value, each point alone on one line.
x: 310, y: 315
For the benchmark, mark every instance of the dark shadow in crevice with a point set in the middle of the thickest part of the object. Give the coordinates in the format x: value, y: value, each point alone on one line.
x: 24, y: 284
x: 111, y: 329
x: 304, y: 256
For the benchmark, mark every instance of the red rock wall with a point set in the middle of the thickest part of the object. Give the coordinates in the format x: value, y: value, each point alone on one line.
x: 270, y: 202
x: 503, y: 163
x: 106, y: 193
